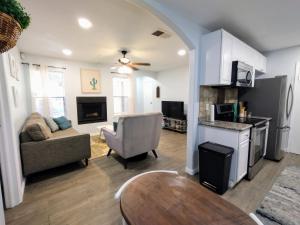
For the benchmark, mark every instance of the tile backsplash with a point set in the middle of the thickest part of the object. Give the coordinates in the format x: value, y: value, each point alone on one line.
x: 214, y: 95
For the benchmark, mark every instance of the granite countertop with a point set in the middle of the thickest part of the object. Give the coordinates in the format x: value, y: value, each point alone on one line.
x: 225, y: 125
x: 260, y: 117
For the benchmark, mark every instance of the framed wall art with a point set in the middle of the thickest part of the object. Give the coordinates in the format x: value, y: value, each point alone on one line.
x: 90, y: 81
x: 13, y: 65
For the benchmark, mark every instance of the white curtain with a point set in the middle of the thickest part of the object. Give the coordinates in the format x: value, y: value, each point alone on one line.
x: 47, y: 90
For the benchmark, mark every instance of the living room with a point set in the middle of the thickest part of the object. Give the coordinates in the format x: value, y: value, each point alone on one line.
x: 50, y: 81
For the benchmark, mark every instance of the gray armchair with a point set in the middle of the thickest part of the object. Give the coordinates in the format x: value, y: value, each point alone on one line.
x: 136, y: 134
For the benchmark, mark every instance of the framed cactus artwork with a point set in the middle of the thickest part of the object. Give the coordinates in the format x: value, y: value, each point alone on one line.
x: 90, y: 81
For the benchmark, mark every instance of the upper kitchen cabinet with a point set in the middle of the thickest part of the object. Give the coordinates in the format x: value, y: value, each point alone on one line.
x: 261, y: 63
x: 243, y: 52
x: 219, y: 50
x: 216, y: 58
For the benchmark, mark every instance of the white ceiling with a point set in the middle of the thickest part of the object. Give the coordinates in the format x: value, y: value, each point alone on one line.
x: 264, y: 24
x: 116, y: 24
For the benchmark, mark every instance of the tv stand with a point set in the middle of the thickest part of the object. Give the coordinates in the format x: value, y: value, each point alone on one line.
x: 178, y: 125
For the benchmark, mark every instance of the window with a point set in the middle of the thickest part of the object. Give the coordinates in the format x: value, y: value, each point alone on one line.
x: 47, y: 91
x: 121, y: 90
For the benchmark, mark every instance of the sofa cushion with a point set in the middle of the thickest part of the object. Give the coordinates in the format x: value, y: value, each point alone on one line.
x: 63, y: 122
x: 37, y: 132
x: 39, y: 126
x: 50, y: 122
x: 35, y: 115
x: 64, y: 133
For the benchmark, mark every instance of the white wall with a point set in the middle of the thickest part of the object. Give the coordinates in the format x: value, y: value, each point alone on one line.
x: 282, y: 62
x: 73, y: 87
x: 191, y: 34
x: 174, y: 86
x: 12, y: 118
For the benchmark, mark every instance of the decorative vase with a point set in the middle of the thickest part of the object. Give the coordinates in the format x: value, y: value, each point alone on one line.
x: 10, y: 31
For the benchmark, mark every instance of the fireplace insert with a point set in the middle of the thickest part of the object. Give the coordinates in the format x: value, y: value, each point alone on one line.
x: 91, y: 109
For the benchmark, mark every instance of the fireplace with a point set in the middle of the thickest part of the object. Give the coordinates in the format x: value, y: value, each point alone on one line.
x: 91, y: 109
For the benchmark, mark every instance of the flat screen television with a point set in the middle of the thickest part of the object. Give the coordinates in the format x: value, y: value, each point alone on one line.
x: 173, y: 109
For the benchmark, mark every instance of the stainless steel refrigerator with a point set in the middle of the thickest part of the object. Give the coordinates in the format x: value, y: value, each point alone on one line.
x: 272, y: 97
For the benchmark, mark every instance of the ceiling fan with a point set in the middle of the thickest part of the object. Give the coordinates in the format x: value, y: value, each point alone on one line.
x: 126, y: 66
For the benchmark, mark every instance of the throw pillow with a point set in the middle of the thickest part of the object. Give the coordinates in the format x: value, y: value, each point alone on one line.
x: 37, y: 132
x: 53, y: 126
x: 63, y: 122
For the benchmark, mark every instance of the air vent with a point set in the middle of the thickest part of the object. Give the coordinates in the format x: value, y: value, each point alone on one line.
x: 161, y: 33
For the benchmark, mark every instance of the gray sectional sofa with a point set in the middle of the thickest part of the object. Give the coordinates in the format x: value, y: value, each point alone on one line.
x: 59, y: 148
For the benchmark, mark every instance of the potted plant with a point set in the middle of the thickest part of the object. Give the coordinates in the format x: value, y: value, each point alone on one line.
x: 13, y: 20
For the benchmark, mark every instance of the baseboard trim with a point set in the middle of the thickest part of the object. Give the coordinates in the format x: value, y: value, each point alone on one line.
x: 191, y: 171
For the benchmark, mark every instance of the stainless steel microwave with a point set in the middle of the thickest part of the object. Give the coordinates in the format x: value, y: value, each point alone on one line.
x: 242, y: 74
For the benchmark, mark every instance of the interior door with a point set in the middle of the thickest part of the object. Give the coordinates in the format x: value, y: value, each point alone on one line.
x: 148, y: 96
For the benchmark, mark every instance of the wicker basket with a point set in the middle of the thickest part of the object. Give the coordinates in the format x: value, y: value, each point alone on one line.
x: 10, y: 32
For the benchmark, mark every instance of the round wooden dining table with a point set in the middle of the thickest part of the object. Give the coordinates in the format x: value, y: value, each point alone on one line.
x: 169, y: 199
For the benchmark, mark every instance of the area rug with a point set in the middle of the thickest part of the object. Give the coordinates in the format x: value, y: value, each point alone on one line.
x: 282, y: 204
x: 99, y: 147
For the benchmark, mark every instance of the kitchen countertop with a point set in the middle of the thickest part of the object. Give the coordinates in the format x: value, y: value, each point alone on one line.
x: 261, y: 117
x: 225, y: 125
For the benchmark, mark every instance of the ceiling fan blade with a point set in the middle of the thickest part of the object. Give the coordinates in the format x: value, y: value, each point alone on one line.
x: 115, y: 72
x: 141, y: 64
x: 132, y: 67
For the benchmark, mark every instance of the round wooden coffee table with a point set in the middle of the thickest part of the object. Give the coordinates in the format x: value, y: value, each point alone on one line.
x: 169, y: 199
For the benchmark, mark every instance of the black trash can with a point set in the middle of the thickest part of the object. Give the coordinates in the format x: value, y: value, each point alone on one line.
x: 214, y: 166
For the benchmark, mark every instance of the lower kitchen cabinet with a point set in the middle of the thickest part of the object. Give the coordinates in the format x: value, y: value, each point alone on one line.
x: 238, y: 140
x: 243, y: 153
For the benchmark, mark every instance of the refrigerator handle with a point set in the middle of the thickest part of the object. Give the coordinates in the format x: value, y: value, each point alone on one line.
x: 289, y: 109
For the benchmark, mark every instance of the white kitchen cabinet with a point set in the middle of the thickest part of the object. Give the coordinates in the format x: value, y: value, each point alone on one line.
x: 219, y: 50
x: 238, y: 140
x: 242, y: 159
x: 216, y: 59
x: 261, y: 63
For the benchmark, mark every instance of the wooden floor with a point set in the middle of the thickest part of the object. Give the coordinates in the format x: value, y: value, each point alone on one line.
x: 74, y: 195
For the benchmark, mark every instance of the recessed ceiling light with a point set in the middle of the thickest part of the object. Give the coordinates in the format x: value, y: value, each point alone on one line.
x: 181, y: 52
x: 113, y: 67
x: 67, y: 51
x: 84, y: 23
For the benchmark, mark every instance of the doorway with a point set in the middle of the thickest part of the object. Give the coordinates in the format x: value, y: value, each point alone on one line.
x: 148, y: 95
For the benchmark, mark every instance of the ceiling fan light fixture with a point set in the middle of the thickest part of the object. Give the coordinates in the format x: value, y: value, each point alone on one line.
x: 125, y: 70
x: 124, y: 60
